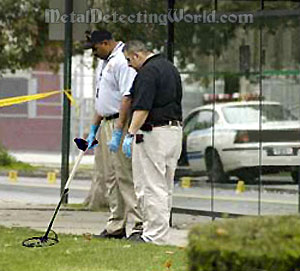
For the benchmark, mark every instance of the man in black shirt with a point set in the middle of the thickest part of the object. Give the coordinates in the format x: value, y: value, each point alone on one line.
x: 155, y: 133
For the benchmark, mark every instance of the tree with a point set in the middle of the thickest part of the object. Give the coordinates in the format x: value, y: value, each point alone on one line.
x: 24, y: 36
x: 196, y: 43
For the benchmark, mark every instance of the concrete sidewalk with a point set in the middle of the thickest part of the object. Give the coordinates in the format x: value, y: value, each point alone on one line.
x: 72, y: 221
x: 51, y: 159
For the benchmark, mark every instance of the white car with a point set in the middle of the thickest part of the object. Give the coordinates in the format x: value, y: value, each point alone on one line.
x: 231, y: 146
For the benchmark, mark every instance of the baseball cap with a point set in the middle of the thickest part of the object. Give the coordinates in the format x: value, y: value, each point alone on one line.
x: 97, y: 36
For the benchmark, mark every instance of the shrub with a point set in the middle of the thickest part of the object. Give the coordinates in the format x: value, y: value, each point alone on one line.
x: 5, y: 158
x: 270, y: 243
x: 8, y: 162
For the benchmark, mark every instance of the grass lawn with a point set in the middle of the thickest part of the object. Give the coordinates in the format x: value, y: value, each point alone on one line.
x: 78, y: 253
x: 19, y: 166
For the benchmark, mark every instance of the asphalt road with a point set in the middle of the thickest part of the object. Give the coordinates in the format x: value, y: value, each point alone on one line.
x: 274, y: 199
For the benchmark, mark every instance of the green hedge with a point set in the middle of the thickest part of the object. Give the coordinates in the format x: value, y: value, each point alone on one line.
x: 270, y: 243
x: 5, y: 158
x: 8, y: 162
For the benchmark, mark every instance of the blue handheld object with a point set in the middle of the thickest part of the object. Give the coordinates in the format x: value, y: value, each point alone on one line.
x: 83, y: 144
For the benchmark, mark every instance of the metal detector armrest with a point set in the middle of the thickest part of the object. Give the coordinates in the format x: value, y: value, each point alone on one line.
x: 82, y: 144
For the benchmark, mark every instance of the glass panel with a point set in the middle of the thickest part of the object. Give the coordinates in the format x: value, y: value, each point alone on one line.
x: 281, y: 5
x: 194, y: 58
x: 237, y: 6
x: 259, y: 60
x: 281, y: 132
x: 237, y: 64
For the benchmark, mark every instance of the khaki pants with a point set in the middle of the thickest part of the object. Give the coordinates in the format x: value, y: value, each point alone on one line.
x: 117, y: 173
x: 154, y: 162
x: 97, y: 197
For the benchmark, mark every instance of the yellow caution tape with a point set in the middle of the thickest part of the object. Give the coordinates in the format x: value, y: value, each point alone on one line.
x: 72, y: 101
x: 22, y: 99
x: 70, y: 97
x: 27, y: 98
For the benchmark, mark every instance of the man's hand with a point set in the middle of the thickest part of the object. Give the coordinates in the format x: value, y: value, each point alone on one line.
x: 127, y: 145
x: 92, y: 136
x: 114, y: 144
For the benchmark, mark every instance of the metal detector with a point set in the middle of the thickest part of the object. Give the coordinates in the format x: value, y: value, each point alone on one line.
x: 46, y: 240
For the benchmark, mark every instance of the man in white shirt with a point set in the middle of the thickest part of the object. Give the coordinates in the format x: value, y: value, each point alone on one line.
x: 114, y: 80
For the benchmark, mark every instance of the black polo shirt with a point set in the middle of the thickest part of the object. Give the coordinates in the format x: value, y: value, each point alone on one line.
x: 157, y: 88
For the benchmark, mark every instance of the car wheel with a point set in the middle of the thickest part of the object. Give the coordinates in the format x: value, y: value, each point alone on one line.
x: 214, y: 167
x: 295, y: 176
x: 248, y: 176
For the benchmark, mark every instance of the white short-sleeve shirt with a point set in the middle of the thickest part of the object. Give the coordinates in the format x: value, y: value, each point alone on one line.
x: 114, y: 80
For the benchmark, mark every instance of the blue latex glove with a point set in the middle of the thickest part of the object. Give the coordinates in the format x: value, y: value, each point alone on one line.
x: 127, y: 143
x: 114, y: 144
x: 92, y: 135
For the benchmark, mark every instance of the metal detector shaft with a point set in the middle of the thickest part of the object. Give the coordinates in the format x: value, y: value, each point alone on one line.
x: 46, y: 240
x: 77, y: 162
x: 65, y: 192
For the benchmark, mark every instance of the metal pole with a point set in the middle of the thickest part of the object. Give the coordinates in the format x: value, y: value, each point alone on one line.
x: 170, y: 54
x: 212, y: 184
x: 65, y: 145
x: 170, y: 42
x: 260, y: 111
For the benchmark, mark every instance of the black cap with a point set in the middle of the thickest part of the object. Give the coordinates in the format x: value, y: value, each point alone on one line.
x: 96, y: 37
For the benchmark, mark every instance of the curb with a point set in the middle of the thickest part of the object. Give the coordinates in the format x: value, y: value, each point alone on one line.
x: 69, y: 209
x: 42, y: 173
x: 87, y: 174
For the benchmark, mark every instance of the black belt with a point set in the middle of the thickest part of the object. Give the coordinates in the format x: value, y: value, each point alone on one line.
x: 148, y: 126
x: 166, y: 122
x: 110, y: 117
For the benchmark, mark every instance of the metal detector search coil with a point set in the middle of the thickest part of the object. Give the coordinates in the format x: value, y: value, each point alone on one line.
x: 48, y: 239
x: 42, y: 241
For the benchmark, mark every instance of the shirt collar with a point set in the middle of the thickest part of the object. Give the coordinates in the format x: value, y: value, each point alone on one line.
x: 116, y: 50
x: 149, y: 58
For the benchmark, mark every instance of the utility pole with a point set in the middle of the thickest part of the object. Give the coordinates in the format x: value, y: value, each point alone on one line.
x: 65, y: 145
x: 170, y: 52
x: 170, y: 42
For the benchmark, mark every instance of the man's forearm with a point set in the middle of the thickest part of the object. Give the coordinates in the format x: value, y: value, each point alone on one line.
x: 138, y: 119
x: 123, y: 112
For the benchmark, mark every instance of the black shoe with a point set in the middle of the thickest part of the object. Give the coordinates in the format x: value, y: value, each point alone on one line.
x: 138, y: 227
x: 136, y: 237
x: 116, y: 235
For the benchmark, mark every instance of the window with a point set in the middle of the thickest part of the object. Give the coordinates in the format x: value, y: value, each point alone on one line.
x: 250, y: 114
x: 190, y: 124
x: 200, y: 120
x: 205, y: 120
x: 12, y: 87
